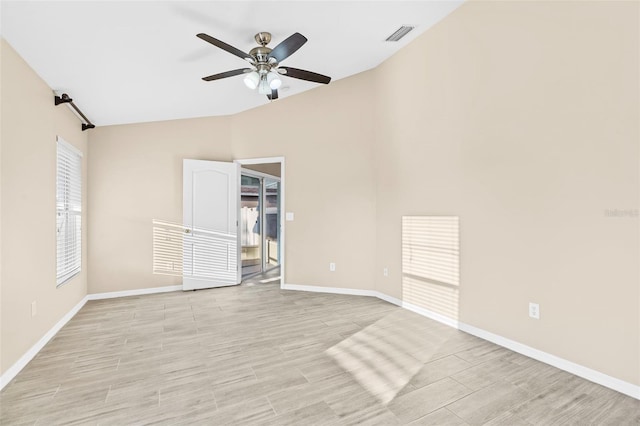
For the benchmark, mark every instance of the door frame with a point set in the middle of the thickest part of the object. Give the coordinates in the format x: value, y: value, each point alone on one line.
x: 281, y: 160
x: 263, y: 215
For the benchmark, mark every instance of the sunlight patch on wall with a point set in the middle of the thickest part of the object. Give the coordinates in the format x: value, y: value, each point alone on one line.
x: 431, y: 263
x: 186, y: 251
x: 168, y: 248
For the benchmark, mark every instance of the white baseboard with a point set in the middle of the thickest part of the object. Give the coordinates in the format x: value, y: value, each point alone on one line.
x: 561, y: 363
x: 339, y: 290
x: 137, y: 292
x: 431, y: 315
x: 387, y: 298
x: 33, y: 351
x: 332, y: 290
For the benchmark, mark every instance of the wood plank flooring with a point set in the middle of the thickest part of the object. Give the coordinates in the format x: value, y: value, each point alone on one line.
x: 254, y: 354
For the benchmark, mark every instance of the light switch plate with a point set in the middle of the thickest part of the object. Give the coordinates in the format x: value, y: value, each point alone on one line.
x: 289, y: 216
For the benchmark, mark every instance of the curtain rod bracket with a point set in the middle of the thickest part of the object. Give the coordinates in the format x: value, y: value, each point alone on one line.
x: 65, y: 99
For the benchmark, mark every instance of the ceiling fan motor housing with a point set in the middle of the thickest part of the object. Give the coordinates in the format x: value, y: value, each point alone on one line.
x: 261, y: 53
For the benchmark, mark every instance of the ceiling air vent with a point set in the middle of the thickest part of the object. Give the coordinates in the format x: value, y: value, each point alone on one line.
x: 400, y: 32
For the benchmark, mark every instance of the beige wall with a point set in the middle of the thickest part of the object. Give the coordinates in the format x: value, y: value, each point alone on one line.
x: 135, y: 176
x: 522, y: 119
x: 30, y: 123
x: 326, y: 136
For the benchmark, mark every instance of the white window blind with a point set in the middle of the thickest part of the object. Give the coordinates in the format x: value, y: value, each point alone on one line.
x: 68, y: 211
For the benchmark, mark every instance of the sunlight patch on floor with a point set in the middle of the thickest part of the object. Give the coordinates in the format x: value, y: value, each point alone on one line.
x: 379, y: 359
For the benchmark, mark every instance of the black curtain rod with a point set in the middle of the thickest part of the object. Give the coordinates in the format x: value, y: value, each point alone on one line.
x: 65, y: 99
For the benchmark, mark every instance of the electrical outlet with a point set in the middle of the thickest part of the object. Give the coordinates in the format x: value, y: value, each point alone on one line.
x: 332, y: 267
x: 34, y: 309
x: 385, y: 272
x: 534, y: 310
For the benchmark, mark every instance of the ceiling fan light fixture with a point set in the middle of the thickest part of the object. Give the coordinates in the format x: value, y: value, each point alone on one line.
x: 251, y: 80
x: 274, y: 80
x: 263, y: 86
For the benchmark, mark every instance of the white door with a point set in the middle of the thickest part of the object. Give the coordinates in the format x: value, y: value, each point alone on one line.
x: 211, y: 200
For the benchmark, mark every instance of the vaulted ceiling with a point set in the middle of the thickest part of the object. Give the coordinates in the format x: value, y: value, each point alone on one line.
x: 138, y: 61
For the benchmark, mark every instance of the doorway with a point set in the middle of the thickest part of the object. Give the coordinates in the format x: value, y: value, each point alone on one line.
x: 260, y: 218
x: 208, y: 253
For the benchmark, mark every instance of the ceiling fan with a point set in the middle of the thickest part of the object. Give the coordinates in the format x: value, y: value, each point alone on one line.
x: 265, y: 70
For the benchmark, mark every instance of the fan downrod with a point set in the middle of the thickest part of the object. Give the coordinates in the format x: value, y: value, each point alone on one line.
x: 261, y: 53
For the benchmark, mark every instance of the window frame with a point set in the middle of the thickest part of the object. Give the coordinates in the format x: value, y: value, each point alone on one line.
x: 69, y: 200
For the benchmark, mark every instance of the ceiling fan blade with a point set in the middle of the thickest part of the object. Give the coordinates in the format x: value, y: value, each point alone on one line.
x: 226, y: 74
x: 305, y: 75
x: 224, y: 46
x: 274, y: 95
x: 288, y: 47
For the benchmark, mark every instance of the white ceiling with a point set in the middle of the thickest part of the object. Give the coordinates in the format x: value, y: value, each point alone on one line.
x: 138, y: 61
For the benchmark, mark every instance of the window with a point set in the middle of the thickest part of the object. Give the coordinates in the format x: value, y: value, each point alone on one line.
x: 68, y: 211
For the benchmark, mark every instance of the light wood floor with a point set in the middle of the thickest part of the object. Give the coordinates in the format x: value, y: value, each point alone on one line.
x: 254, y: 354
